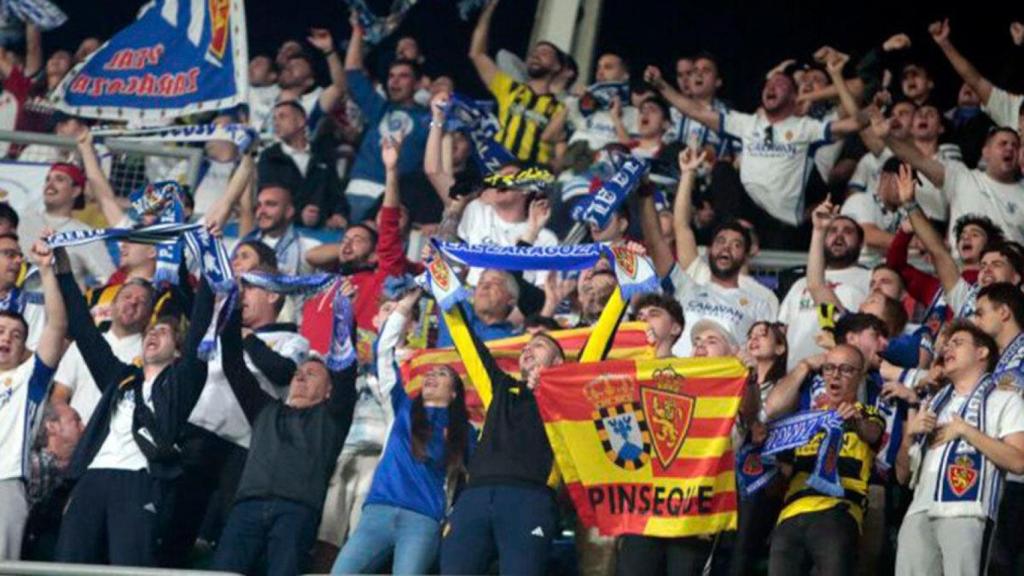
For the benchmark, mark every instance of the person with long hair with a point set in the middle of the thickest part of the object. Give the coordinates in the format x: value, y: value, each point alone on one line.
x: 766, y: 355
x: 425, y: 454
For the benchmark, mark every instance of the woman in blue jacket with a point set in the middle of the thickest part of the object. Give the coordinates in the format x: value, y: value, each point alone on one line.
x: 425, y: 452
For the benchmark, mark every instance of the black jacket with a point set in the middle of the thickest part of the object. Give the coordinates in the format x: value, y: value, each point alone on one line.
x: 175, y: 390
x: 293, y: 450
x: 320, y: 186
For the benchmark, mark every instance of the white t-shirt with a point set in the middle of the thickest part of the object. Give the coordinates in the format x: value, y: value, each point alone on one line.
x: 800, y: 314
x: 687, y: 130
x: 480, y: 224
x: 975, y: 192
x: 88, y: 261
x: 774, y: 174
x: 701, y: 273
x: 931, y: 198
x: 1004, y: 415
x: 218, y: 410
x: 1003, y: 108
x: 826, y: 155
x: 213, y: 186
x: 74, y: 373
x: 964, y: 298
x: 598, y: 129
x: 22, y: 394
x: 119, y: 450
x: 733, y: 308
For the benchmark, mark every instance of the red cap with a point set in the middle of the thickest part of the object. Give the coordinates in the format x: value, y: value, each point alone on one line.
x: 72, y: 171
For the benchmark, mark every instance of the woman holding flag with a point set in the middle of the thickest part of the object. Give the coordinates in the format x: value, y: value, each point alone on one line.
x: 424, y: 459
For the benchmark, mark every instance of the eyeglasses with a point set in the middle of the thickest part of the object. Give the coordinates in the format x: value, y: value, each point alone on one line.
x: 845, y: 370
x: 11, y: 253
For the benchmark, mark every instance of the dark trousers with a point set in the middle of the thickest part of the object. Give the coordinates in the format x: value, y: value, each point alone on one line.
x: 647, y: 555
x: 826, y: 540
x: 112, y: 517
x: 212, y: 468
x: 1008, y: 548
x: 516, y: 523
x: 757, y: 515
x: 285, y: 530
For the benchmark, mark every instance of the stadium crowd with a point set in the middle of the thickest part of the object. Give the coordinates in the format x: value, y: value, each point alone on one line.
x: 119, y: 444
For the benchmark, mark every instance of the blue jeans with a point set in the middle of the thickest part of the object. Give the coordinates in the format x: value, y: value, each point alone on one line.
x: 285, y: 529
x: 413, y: 539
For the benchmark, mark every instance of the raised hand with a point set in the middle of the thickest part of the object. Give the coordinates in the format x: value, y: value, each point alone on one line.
x: 321, y: 39
x: 821, y: 55
x: 438, y: 103
x: 880, y: 125
x: 539, y: 214
x: 905, y: 184
x: 922, y: 423
x: 896, y: 42
x: 939, y: 31
x: 836, y: 62
x: 41, y: 253
x: 390, y: 150
x: 689, y: 160
x: 848, y: 411
x: 1017, y: 33
x: 408, y: 301
x: 823, y: 214
x: 652, y: 75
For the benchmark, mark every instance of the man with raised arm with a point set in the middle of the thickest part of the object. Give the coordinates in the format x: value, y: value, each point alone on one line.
x: 26, y: 379
x: 775, y: 146
x: 127, y: 456
x: 524, y: 109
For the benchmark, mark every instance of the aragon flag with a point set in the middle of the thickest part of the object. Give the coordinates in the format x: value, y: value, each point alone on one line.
x: 644, y: 446
x: 630, y: 343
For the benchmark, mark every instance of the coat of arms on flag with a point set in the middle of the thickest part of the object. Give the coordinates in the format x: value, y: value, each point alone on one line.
x: 620, y: 426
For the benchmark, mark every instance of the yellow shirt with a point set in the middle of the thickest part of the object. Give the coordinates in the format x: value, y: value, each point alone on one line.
x: 854, y: 468
x: 523, y: 115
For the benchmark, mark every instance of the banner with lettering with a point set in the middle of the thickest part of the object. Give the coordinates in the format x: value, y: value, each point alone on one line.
x: 630, y: 342
x: 180, y: 57
x: 644, y: 446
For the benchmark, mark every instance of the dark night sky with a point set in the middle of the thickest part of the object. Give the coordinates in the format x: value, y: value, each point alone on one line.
x: 748, y: 37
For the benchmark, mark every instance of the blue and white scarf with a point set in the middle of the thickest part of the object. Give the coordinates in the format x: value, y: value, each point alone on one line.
x: 1011, y: 363
x: 375, y: 28
x: 288, y: 249
x: 600, y: 95
x: 467, y: 7
x: 163, y: 201
x: 238, y: 134
x: 481, y: 126
x: 598, y: 208
x: 968, y: 483
x: 755, y: 467
x: 154, y: 234
x: 43, y: 13
x: 634, y: 273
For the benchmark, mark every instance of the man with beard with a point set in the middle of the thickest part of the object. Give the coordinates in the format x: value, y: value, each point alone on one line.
x: 1003, y: 262
x: 275, y: 213
x: 996, y: 191
x: 850, y: 282
x: 776, y: 145
x: 296, y: 80
x: 524, y: 110
x: 130, y: 312
x: 723, y: 299
x: 877, y: 212
x: 702, y: 83
x: 397, y: 117
x: 63, y: 193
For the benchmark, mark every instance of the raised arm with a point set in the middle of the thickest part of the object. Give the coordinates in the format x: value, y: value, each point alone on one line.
x: 682, y: 208
x: 277, y: 368
x: 354, y: 53
x: 690, y: 108
x: 658, y: 246
x: 816, y: 284
x: 97, y: 180
x: 331, y: 96
x: 441, y: 178
x: 103, y: 365
x: 247, y: 389
x: 945, y: 266
x: 246, y: 207
x: 189, y: 367
x: 970, y: 75
x: 218, y: 214
x: 785, y: 395
x: 484, y: 64
x: 906, y: 151
x: 33, y: 50
x: 856, y: 119
x: 51, y: 342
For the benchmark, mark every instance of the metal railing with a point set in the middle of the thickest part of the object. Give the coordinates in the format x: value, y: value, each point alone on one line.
x: 133, y: 164
x: 58, y: 569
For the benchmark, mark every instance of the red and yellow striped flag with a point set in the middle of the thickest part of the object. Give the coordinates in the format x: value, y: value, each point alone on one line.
x: 630, y: 343
x: 644, y: 446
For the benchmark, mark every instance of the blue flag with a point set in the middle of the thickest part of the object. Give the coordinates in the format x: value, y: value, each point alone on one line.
x: 180, y: 57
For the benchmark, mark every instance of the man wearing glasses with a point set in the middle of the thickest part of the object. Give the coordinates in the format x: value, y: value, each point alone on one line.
x: 814, y: 527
